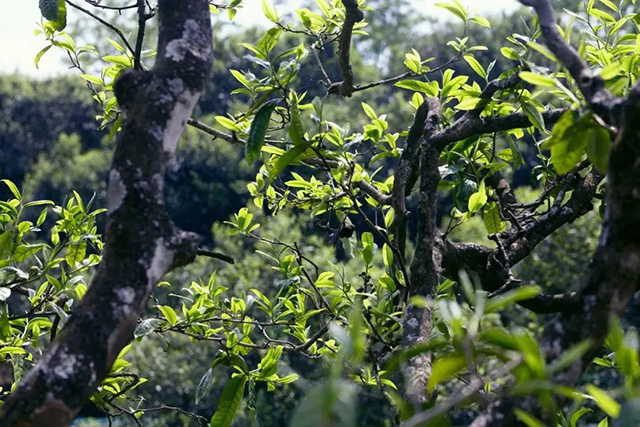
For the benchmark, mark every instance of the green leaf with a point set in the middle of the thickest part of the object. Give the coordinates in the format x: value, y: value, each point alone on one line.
x: 24, y: 251
x: 6, y: 244
x: 577, y: 415
x: 481, y: 21
x: 122, y: 60
x: 54, y: 11
x: 418, y: 86
x: 12, y: 350
x: 368, y: 247
x: 537, y: 79
x: 527, y: 418
x: 49, y: 9
x: 92, y: 79
x: 475, y: 65
x: 12, y: 187
x: 269, y: 40
x: 5, y: 326
x: 387, y: 256
x: 456, y: 8
x: 510, y: 297
x: 287, y: 158
x: 445, y: 368
x: 598, y: 147
x: 269, y: 363
x: 258, y: 130
x: 76, y: 252
x: 492, y: 220
x: 288, y: 379
x: 510, y: 53
x: 468, y: 104
x: 571, y: 137
x: 146, y: 327
x: 203, y: 385
x: 296, y: 130
x: 533, y: 114
x: 605, y: 402
x: 229, y: 402
x: 270, y: 12
x: 228, y: 123
x: 567, y: 151
x: 478, y: 199
x: 169, y: 314
x: 39, y: 55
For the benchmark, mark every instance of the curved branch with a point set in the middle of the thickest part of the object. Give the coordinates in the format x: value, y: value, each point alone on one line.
x: 591, y: 85
x: 614, y: 273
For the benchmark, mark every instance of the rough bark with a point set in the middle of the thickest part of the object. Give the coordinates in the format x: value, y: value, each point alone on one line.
x: 424, y: 268
x: 141, y: 241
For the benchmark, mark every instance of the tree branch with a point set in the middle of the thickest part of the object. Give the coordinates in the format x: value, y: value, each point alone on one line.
x: 468, y: 126
x: 494, y: 272
x: 591, y: 85
x: 142, y: 23
x: 614, y: 273
x: 352, y: 15
x: 105, y: 23
x: 424, y: 269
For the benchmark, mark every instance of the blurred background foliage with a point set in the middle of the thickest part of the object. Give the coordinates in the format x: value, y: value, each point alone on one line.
x: 50, y: 146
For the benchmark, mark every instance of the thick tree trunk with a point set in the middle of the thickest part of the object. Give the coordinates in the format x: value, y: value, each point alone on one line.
x: 141, y: 242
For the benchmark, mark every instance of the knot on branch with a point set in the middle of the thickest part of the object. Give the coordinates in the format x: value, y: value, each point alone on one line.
x: 343, y: 89
x: 129, y: 87
x: 185, y: 246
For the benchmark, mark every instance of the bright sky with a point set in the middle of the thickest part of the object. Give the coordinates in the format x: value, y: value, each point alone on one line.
x: 20, y: 45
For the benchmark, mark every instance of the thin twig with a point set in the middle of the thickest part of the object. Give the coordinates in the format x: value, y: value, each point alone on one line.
x: 105, y: 23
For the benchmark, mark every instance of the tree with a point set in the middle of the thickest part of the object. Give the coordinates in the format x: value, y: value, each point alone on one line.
x: 156, y: 104
x: 418, y: 323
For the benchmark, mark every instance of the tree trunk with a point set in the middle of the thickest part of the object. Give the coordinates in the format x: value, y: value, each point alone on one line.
x: 141, y: 241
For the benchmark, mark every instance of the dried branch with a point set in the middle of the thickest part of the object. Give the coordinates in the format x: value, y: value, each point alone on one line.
x: 216, y: 255
x: 407, y: 75
x: 490, y: 266
x: 408, y: 162
x: 373, y: 192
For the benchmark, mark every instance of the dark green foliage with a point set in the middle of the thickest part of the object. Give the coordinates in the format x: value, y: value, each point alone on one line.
x: 32, y: 116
